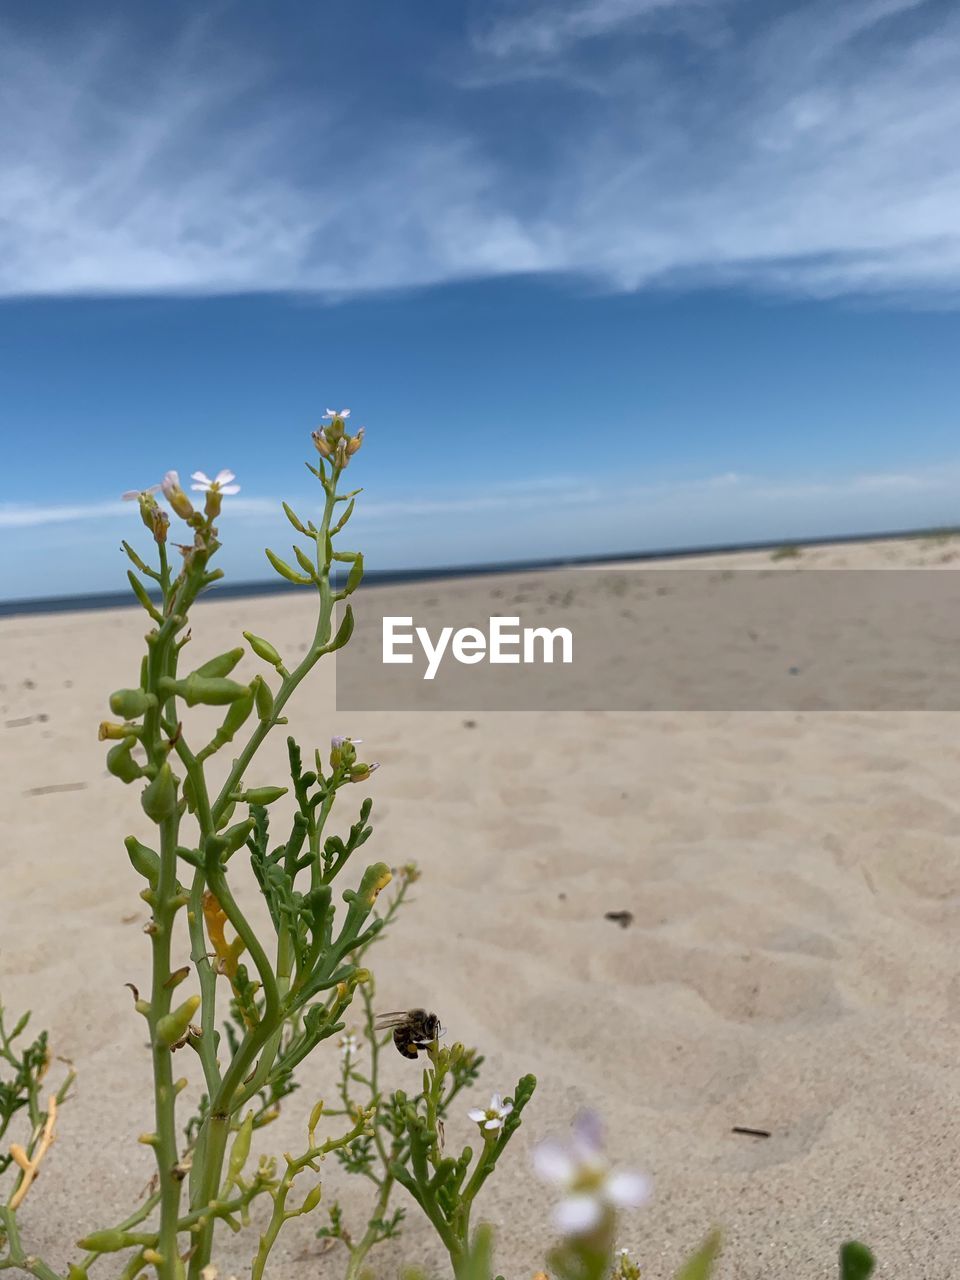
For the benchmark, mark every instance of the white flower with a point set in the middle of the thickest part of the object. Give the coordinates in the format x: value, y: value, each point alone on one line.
x: 349, y: 1045
x: 494, y: 1115
x: 590, y: 1187
x: 222, y: 482
x: 332, y: 413
x: 132, y: 495
x: 337, y: 742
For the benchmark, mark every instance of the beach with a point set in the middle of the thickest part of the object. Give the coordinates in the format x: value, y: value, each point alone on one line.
x: 789, y: 964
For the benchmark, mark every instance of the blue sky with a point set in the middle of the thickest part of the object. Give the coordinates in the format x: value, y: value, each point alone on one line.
x: 596, y: 276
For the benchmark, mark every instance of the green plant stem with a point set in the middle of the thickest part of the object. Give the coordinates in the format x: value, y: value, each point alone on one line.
x: 216, y: 1129
x: 358, y: 1252
x: 316, y: 650
x: 280, y: 1213
x: 16, y: 1257
x: 165, y: 1094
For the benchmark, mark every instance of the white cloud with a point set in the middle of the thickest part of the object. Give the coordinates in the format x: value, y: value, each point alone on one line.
x: 25, y: 515
x: 809, y: 151
x: 532, y: 494
x: 547, y: 29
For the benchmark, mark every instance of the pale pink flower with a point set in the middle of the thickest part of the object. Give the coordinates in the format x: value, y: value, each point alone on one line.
x: 494, y: 1115
x: 132, y: 495
x: 590, y: 1186
x: 222, y: 482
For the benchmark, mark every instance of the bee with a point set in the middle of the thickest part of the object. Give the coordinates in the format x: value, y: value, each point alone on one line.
x: 413, y: 1029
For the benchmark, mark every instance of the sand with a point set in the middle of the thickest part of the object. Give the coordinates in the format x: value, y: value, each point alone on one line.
x: 791, y: 963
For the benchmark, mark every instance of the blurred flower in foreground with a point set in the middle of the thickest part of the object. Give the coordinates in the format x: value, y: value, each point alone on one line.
x: 494, y: 1115
x: 222, y: 482
x: 591, y: 1189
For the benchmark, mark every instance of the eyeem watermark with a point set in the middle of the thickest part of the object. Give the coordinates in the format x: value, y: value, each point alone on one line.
x: 504, y: 642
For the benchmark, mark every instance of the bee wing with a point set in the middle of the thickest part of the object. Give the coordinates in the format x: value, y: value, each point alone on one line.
x: 386, y: 1020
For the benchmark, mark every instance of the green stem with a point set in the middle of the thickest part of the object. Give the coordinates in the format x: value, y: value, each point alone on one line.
x: 165, y: 1093
x: 314, y: 653
x: 16, y: 1258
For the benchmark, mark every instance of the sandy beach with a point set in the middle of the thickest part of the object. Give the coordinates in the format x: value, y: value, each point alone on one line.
x: 793, y: 883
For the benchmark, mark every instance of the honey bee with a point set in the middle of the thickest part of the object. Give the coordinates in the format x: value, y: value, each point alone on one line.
x: 413, y: 1029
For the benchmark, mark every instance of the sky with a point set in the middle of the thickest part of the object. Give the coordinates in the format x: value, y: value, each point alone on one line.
x: 597, y: 276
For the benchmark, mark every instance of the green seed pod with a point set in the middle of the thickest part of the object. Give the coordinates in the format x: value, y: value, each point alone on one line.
x: 263, y: 649
x: 285, y: 571
x: 228, y: 812
x: 312, y: 1199
x: 211, y: 691
x: 143, y: 860
x: 235, y: 837
x: 188, y: 793
x: 263, y: 795
x: 264, y: 697
x: 219, y: 666
x: 293, y: 518
x: 140, y: 591
x: 111, y: 1241
x: 120, y: 762
x: 344, y: 518
x: 240, y: 1150
x: 344, y: 631
x: 355, y: 576
x: 235, y: 718
x: 305, y: 563
x: 173, y: 1026
x: 131, y: 703
x: 159, y: 799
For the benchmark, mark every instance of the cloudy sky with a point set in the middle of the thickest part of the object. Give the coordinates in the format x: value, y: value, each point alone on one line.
x: 597, y: 275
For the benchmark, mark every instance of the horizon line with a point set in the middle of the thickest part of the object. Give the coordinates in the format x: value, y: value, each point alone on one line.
x: 91, y: 602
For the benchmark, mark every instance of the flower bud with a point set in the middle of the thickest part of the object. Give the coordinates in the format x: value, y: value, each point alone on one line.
x: 131, y: 703
x: 361, y: 772
x: 342, y: 752
x: 149, y: 511
x: 354, y: 442
x: 175, y: 495
x: 161, y: 523
x: 320, y: 440
x: 173, y: 1026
